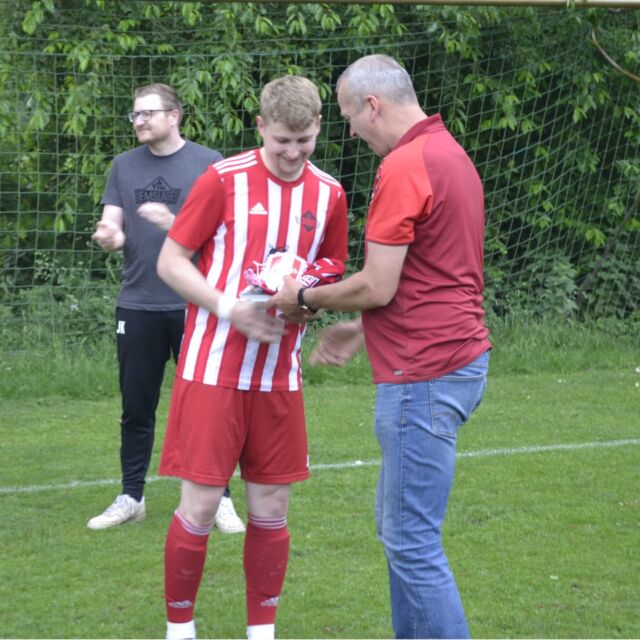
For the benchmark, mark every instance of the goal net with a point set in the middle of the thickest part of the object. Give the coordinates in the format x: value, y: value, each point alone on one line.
x: 552, y: 126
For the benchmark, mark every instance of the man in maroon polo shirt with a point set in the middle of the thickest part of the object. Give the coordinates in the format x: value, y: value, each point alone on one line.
x: 420, y: 294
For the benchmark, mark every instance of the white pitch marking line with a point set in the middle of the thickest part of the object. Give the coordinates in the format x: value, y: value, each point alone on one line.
x: 481, y: 453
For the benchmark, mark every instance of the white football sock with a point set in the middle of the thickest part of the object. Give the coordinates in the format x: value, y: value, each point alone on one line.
x: 181, y: 630
x: 261, y: 632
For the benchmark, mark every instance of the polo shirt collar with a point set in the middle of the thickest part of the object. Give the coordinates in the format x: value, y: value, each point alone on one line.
x: 428, y: 125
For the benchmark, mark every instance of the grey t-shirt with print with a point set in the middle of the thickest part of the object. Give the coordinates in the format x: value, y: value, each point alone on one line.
x: 139, y: 176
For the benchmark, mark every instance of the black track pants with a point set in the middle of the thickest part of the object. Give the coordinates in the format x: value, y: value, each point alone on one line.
x: 146, y: 340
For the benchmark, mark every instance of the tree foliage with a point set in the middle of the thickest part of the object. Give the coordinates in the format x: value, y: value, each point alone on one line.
x: 524, y: 91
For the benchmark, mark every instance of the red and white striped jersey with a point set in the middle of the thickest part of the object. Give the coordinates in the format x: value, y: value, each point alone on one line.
x: 237, y: 213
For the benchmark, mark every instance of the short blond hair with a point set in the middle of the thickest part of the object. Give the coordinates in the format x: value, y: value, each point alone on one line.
x: 293, y: 101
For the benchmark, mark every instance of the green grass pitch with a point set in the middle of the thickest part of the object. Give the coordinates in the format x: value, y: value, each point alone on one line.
x: 542, y: 531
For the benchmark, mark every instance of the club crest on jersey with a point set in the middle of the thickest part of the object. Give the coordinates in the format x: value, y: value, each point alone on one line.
x: 307, y: 220
x: 157, y: 191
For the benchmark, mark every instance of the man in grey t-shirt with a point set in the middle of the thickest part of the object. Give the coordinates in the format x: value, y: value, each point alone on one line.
x: 145, y: 191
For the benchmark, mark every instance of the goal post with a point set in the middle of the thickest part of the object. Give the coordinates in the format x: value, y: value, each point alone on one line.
x: 577, y: 4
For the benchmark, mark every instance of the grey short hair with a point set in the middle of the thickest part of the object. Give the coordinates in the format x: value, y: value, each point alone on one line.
x: 377, y: 75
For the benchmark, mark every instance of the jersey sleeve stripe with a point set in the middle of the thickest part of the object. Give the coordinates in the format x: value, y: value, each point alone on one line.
x: 236, y: 160
x: 323, y: 176
x: 236, y: 167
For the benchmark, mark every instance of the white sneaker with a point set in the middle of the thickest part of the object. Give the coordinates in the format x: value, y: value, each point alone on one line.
x: 124, y: 509
x: 227, y: 519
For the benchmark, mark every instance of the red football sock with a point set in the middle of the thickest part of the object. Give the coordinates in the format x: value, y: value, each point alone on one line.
x: 185, y: 551
x: 266, y: 553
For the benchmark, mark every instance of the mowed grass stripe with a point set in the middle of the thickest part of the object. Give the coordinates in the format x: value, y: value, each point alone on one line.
x: 482, y: 453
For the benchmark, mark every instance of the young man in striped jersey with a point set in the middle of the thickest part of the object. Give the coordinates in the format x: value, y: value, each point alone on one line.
x: 237, y: 394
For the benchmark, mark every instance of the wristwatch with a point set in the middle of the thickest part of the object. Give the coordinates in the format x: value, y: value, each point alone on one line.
x: 302, y: 304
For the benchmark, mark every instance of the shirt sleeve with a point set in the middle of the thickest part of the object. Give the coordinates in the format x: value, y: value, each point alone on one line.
x: 402, y: 196
x: 111, y: 193
x: 202, y: 211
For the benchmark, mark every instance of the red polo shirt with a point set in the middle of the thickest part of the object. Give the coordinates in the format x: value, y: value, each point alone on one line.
x: 428, y: 195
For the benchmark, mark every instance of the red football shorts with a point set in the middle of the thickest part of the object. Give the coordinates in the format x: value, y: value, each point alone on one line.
x: 212, y: 429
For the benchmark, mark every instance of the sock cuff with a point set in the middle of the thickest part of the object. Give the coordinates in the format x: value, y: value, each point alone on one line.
x: 260, y: 631
x: 181, y: 630
x: 196, y: 530
x: 268, y: 523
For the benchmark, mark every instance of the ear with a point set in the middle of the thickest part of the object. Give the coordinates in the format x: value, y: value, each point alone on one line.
x: 260, y: 124
x: 372, y: 104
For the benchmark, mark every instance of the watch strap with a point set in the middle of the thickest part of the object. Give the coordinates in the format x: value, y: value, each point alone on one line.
x: 301, y: 302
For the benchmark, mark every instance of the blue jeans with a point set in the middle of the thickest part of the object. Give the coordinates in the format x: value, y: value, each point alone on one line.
x: 416, y: 425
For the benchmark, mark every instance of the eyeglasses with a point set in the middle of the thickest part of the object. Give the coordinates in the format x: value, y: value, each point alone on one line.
x: 145, y: 114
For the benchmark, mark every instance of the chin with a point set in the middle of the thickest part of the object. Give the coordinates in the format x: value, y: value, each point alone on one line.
x: 291, y: 170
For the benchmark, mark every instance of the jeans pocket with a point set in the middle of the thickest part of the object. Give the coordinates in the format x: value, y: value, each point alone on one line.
x: 455, y: 396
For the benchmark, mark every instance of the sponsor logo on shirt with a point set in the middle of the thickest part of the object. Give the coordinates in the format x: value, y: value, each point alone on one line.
x: 157, y: 191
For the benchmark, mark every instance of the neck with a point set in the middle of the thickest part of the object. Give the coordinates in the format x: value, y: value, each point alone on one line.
x: 405, y: 120
x: 276, y: 171
x: 168, y: 146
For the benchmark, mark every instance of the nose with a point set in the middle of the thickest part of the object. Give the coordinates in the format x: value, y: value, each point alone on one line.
x: 293, y: 152
x: 352, y: 132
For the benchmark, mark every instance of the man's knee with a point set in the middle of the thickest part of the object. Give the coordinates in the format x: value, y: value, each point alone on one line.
x: 268, y: 501
x: 199, y: 503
